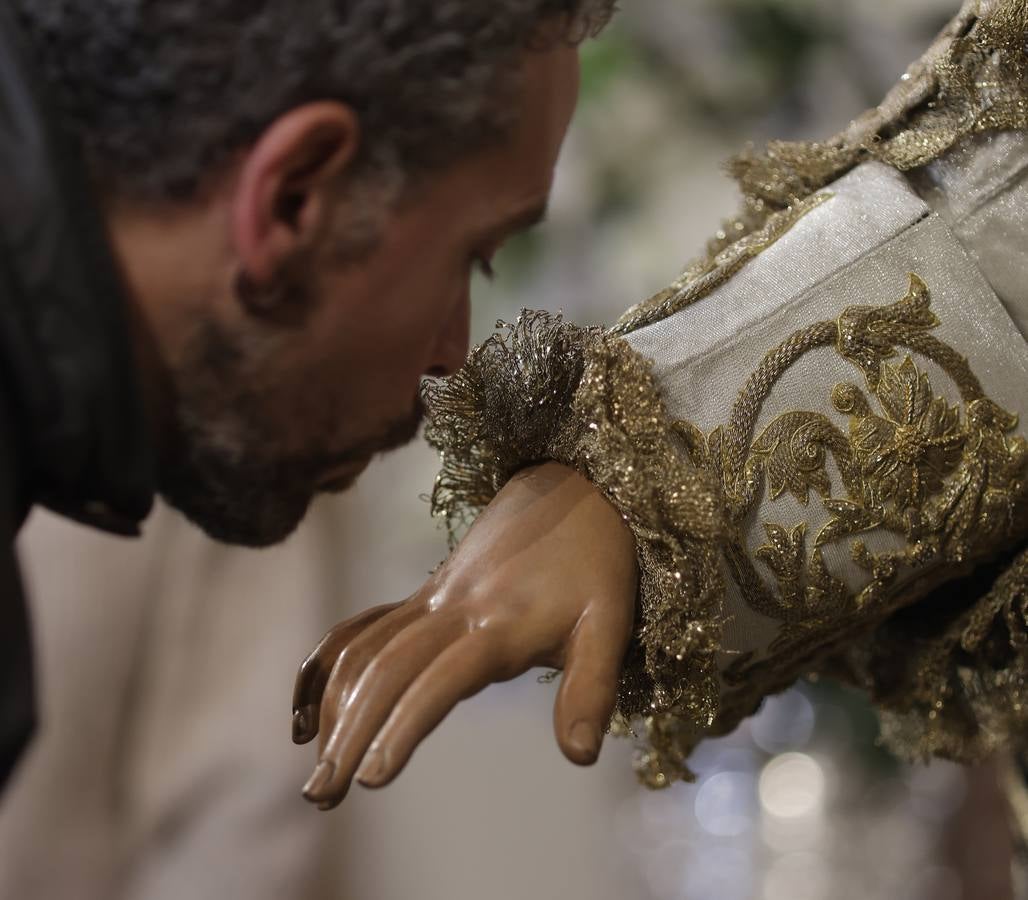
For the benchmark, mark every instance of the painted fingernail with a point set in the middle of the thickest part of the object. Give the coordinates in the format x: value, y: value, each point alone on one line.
x: 373, y: 769
x: 305, y: 724
x: 301, y: 724
x: 585, y: 738
x: 313, y: 789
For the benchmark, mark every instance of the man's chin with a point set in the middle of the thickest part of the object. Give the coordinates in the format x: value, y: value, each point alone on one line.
x: 261, y: 522
x: 256, y: 505
x: 255, y: 513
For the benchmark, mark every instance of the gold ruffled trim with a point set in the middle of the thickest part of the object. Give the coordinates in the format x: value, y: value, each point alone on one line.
x: 506, y: 409
x: 547, y: 390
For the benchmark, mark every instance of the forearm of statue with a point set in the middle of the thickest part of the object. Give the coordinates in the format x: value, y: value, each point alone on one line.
x: 546, y: 577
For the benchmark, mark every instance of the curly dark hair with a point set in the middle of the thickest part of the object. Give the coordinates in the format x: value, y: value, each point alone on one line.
x: 162, y: 93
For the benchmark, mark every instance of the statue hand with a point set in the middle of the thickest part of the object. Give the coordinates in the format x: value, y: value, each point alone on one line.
x: 546, y: 577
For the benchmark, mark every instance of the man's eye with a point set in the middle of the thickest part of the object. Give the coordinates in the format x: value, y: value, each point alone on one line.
x: 485, y: 266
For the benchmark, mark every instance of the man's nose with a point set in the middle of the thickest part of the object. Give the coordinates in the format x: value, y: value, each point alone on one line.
x: 452, y: 347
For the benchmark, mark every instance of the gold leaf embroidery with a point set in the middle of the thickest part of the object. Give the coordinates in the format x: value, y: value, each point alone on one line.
x: 904, y: 455
x: 869, y: 334
x: 849, y: 518
x: 948, y: 484
x: 808, y: 591
x: 975, y: 80
x: 792, y: 453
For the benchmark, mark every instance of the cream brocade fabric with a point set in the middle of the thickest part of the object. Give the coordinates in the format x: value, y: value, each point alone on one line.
x: 859, y: 510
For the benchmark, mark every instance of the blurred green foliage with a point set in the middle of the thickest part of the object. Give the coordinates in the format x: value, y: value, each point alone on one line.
x: 614, y: 56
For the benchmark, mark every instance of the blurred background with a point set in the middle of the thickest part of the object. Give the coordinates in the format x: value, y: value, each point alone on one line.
x: 164, y: 767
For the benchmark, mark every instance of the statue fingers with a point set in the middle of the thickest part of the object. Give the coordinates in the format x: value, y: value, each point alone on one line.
x: 588, y: 689
x: 314, y: 673
x: 461, y: 671
x: 363, y: 708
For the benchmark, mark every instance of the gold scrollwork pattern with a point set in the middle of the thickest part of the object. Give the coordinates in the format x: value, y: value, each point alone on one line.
x: 946, y: 484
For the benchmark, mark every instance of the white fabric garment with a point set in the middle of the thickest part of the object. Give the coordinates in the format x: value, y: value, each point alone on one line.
x: 981, y: 190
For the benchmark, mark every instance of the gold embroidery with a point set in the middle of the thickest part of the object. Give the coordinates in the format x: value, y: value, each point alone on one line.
x: 791, y: 451
x: 786, y: 556
x: 974, y: 80
x: 904, y: 456
x: 950, y: 489
x: 869, y: 334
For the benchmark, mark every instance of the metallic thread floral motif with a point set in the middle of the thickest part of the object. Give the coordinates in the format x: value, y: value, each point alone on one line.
x: 809, y: 594
x: 904, y: 455
x: 792, y: 452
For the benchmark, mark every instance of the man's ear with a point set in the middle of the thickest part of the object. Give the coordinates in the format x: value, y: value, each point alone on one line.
x: 283, y: 195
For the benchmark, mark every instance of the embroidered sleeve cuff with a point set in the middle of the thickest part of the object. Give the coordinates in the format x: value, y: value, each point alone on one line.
x: 549, y: 390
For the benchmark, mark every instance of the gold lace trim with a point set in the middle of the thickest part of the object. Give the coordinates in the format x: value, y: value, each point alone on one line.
x: 974, y: 79
x: 506, y: 409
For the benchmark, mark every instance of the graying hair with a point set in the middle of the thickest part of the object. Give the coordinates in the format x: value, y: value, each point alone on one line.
x: 164, y: 93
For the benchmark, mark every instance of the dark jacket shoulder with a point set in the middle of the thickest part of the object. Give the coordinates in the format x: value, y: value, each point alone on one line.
x: 73, y: 432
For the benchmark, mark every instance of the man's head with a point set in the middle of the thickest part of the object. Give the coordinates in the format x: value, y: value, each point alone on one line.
x: 298, y: 194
